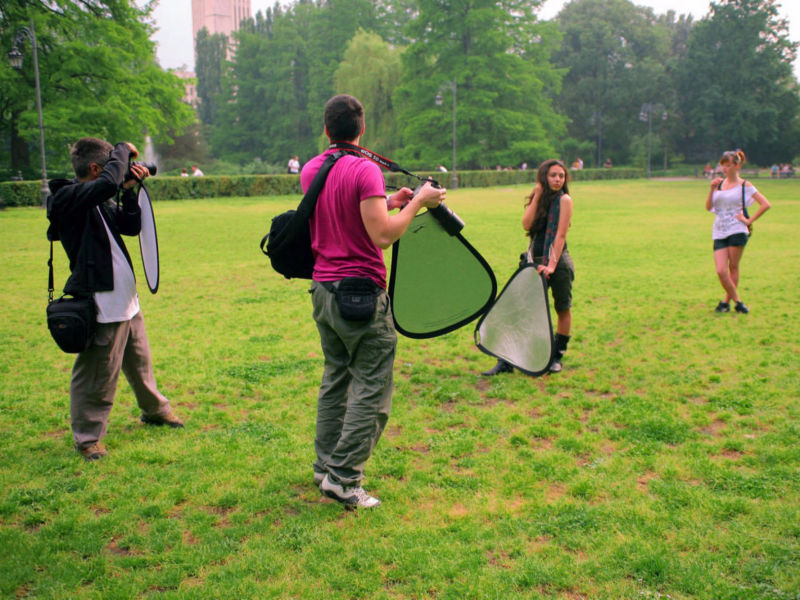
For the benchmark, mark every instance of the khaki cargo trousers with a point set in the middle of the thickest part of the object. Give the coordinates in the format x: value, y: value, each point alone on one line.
x: 355, y: 396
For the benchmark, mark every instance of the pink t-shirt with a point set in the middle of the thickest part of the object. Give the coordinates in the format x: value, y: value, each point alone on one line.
x: 339, y: 240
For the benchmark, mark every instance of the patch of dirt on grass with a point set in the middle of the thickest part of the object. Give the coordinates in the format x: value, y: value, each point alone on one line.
x: 730, y: 454
x: 188, y: 538
x: 192, y: 582
x: 538, y: 544
x: 482, y: 385
x: 642, y: 483
x: 393, y: 431
x: 499, y: 559
x: 608, y: 449
x: 115, y: 548
x: 554, y: 492
x: 715, y: 428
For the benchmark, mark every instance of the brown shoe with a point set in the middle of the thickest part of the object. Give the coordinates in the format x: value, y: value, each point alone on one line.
x: 167, y: 419
x: 94, y: 452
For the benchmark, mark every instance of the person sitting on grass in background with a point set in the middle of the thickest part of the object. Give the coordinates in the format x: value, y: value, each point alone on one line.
x: 90, y: 224
x: 727, y: 199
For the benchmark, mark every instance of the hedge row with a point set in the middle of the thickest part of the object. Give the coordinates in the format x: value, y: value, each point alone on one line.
x: 28, y: 193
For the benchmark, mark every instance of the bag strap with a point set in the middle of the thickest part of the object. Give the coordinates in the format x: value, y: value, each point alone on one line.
x: 306, y: 207
x: 51, y: 279
x: 50, y: 286
x: 744, y: 208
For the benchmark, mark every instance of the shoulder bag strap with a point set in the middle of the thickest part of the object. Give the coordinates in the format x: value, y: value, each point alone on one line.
x: 50, y: 286
x: 306, y: 207
x: 744, y: 208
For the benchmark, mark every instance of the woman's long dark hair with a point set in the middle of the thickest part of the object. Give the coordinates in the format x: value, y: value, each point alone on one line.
x: 546, y: 199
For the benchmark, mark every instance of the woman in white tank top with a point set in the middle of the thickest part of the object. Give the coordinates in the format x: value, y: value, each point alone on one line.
x: 728, y: 198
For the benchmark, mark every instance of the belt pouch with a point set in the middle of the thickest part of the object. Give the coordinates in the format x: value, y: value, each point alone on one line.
x: 357, y: 298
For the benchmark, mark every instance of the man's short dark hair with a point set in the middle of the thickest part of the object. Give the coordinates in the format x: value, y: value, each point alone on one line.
x: 344, y: 118
x: 89, y: 150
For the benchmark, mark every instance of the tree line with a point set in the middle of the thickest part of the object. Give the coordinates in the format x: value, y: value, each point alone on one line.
x: 605, y: 79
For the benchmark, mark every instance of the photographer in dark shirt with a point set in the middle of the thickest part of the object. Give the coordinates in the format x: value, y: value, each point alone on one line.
x: 89, y: 222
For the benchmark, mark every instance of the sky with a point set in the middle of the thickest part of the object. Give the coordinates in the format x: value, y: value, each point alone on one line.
x: 174, y: 19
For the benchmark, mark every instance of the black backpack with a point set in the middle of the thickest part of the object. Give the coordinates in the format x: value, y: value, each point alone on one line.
x: 288, y: 243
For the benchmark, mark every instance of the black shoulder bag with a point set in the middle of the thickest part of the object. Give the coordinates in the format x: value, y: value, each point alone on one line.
x: 71, y: 321
x: 288, y: 243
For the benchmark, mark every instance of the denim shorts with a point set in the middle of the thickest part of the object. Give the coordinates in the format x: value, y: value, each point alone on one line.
x: 737, y: 239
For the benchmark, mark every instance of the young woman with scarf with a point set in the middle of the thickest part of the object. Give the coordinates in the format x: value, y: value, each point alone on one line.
x: 547, y: 217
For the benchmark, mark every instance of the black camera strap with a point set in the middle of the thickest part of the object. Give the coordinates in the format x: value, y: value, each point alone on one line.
x: 377, y: 158
x: 50, y: 282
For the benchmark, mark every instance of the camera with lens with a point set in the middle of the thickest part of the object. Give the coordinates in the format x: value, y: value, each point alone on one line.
x: 449, y: 220
x: 152, y: 167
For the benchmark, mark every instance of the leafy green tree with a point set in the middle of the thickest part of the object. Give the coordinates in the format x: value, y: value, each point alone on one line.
x: 495, y: 57
x: 185, y: 149
x: 266, y: 116
x: 370, y: 71
x: 736, y: 86
x: 615, y: 55
x: 211, y: 51
x: 282, y: 75
x: 99, y: 77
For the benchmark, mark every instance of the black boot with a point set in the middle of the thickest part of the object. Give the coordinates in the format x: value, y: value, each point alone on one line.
x: 560, y: 342
x: 501, y: 367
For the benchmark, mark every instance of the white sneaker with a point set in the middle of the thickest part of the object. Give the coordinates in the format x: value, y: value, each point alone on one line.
x: 352, y: 496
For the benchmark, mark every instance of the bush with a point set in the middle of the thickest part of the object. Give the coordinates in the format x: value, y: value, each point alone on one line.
x: 21, y: 193
x: 28, y: 193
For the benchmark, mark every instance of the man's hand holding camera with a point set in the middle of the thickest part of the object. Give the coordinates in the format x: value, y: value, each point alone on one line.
x: 431, y: 198
x: 137, y: 172
x: 430, y: 195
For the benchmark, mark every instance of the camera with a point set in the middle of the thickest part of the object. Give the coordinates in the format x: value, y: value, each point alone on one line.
x: 152, y: 167
x: 449, y: 220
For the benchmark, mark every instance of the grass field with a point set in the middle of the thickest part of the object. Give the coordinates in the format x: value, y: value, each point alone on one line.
x: 664, y: 462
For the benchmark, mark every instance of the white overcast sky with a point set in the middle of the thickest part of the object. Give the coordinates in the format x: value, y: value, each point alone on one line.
x: 174, y: 20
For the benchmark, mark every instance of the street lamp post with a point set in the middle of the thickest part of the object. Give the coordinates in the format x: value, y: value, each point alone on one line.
x: 597, y: 119
x: 15, y: 59
x: 646, y: 114
x: 452, y: 85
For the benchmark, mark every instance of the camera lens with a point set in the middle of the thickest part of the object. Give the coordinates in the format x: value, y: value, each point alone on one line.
x: 449, y: 220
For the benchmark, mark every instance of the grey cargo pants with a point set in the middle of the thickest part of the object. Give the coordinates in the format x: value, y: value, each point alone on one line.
x: 355, y: 396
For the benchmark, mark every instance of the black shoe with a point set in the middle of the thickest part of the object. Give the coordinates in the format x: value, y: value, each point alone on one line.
x: 723, y: 307
x: 741, y: 308
x: 501, y: 367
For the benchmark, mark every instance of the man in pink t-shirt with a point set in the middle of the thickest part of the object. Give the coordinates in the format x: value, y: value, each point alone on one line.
x: 350, y: 227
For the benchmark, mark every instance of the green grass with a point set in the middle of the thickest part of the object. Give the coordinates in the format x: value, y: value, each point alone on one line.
x: 664, y: 462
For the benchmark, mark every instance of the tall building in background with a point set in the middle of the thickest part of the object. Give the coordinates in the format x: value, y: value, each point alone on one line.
x: 218, y: 16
